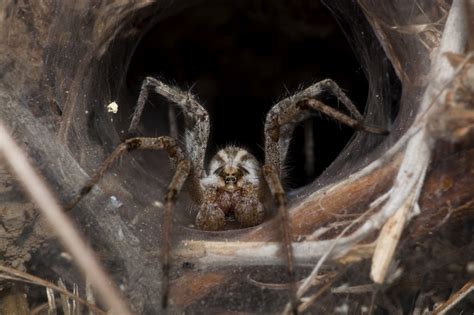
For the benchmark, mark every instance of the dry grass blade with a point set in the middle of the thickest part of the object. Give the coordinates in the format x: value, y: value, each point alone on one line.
x: 417, y: 156
x: 16, y: 275
x: 455, y: 298
x: 51, y: 302
x: 65, y: 302
x: 309, y: 301
x: 62, y: 225
x: 76, y: 307
x: 390, y: 235
x: 308, y: 282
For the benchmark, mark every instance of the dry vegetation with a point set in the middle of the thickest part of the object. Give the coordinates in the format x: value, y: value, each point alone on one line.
x: 390, y: 233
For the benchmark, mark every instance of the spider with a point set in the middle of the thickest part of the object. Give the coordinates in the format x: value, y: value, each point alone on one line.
x: 234, y: 183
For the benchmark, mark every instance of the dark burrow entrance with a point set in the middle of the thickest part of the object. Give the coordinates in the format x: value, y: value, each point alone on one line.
x: 240, y: 58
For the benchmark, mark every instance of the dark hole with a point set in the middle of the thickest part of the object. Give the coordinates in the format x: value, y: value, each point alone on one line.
x: 240, y: 58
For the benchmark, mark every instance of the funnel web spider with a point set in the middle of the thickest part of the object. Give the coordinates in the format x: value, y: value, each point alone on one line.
x: 234, y: 182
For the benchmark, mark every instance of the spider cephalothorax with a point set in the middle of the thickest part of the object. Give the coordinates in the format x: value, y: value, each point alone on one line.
x: 232, y: 187
x: 234, y: 184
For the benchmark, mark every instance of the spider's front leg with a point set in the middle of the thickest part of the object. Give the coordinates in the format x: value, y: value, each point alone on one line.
x: 286, y: 114
x: 279, y: 126
x: 273, y: 180
x: 138, y: 143
x: 182, y: 170
x: 195, y: 116
x: 186, y: 163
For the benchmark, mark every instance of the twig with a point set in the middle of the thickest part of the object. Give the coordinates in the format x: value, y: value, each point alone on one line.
x: 455, y: 298
x: 65, y: 302
x: 227, y: 253
x: 17, y: 275
x: 62, y: 225
x: 357, y: 289
x: 52, y: 308
x: 417, y: 156
x: 308, y: 302
x: 310, y: 279
x: 390, y: 235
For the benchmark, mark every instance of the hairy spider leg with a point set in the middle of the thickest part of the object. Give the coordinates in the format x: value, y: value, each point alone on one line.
x: 356, y: 123
x: 286, y: 114
x: 196, y: 136
x: 342, y: 118
x: 274, y: 183
x: 148, y: 83
x: 196, y: 119
x: 182, y: 170
x: 279, y: 126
